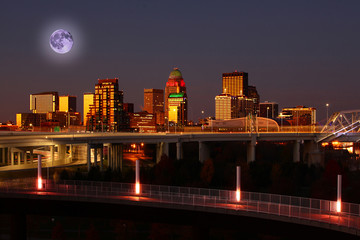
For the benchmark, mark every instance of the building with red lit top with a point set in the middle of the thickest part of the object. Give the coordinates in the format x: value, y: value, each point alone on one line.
x: 107, y: 113
x: 175, y: 84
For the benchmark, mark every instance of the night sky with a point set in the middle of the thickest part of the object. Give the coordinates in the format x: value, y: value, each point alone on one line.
x: 296, y: 52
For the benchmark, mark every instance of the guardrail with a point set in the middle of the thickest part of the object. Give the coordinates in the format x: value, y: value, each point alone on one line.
x: 287, y: 206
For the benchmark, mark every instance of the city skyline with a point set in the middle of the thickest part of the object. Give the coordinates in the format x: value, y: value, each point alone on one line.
x: 299, y: 53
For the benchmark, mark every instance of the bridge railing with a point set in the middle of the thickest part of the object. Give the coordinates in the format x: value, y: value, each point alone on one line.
x: 263, y: 203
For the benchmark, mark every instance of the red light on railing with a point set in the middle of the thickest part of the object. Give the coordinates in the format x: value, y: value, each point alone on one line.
x: 137, y: 188
x: 238, y: 195
x: 338, y: 206
x: 39, y: 183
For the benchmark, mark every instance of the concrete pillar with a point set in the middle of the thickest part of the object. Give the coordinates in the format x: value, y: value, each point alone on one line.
x: 110, y: 156
x: 52, y: 156
x: 62, y: 153
x: 161, y: 148
x: 121, y: 149
x: 12, y: 157
x: 24, y: 156
x: 88, y: 150
x: 19, y: 157
x: 31, y: 156
x: 71, y: 149
x: 95, y: 156
x: 102, y: 158
x: 296, y: 151
x: 203, y: 152
x: 178, y: 150
x: 3, y: 156
x: 312, y: 154
x: 251, y: 148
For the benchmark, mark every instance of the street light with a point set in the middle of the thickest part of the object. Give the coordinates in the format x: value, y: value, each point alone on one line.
x: 327, y: 112
x: 267, y: 120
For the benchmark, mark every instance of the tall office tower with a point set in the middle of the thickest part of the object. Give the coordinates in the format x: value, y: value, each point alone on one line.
x: 88, y: 101
x: 178, y: 108
x: 175, y: 84
x: 154, y: 103
x: 269, y: 109
x: 44, y: 102
x: 235, y: 84
x: 67, y: 103
x: 226, y: 107
x: 107, y: 113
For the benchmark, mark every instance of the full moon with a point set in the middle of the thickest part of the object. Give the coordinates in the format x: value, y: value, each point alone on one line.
x: 61, y: 41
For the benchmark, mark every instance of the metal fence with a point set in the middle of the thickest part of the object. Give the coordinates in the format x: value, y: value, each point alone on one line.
x: 280, y: 205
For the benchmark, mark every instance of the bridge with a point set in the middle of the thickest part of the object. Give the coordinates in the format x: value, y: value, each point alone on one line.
x: 316, y: 213
x: 18, y: 148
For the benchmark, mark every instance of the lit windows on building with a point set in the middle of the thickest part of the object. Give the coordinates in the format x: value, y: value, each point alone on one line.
x: 235, y: 83
x: 107, y: 113
x: 154, y: 103
x: 44, y: 102
x: 67, y: 103
x: 226, y: 107
x: 175, y: 84
x: 177, y: 110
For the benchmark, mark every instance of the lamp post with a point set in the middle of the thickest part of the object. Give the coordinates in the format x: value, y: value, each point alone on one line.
x: 202, y: 117
x: 327, y: 112
x: 267, y: 120
x: 338, y: 202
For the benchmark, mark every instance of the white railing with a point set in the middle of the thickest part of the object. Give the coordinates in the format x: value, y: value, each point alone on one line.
x: 286, y: 206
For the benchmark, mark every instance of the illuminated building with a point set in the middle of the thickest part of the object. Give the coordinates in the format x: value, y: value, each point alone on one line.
x: 177, y: 103
x: 246, y: 106
x: 44, y: 102
x: 67, y: 103
x: 299, y: 116
x: 269, y: 109
x: 154, y: 103
x: 175, y: 84
x: 88, y: 101
x: 64, y: 119
x: 107, y: 113
x: 226, y: 107
x: 143, y: 122
x: 26, y: 120
x: 235, y: 83
x: 128, y: 107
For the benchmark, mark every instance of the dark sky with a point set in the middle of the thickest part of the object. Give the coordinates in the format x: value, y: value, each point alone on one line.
x: 296, y: 52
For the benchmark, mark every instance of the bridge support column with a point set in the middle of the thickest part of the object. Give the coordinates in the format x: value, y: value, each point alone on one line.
x: 109, y: 156
x: 296, y: 151
x: 12, y: 157
x: 62, y: 153
x: 18, y: 157
x: 88, y: 151
x: 52, y: 155
x: 161, y: 149
x: 102, y: 158
x: 3, y: 155
x: 71, y: 149
x: 179, y: 150
x: 117, y: 156
x: 251, y: 147
x: 31, y: 156
x: 95, y: 156
x: 203, y: 152
x: 312, y: 154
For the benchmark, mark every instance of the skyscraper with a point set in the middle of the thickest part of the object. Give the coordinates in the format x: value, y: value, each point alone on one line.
x: 44, y: 102
x: 235, y: 83
x: 88, y: 100
x: 175, y: 84
x: 67, y: 103
x: 154, y: 103
x: 269, y: 109
x: 107, y: 114
x: 178, y: 108
x: 226, y: 107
